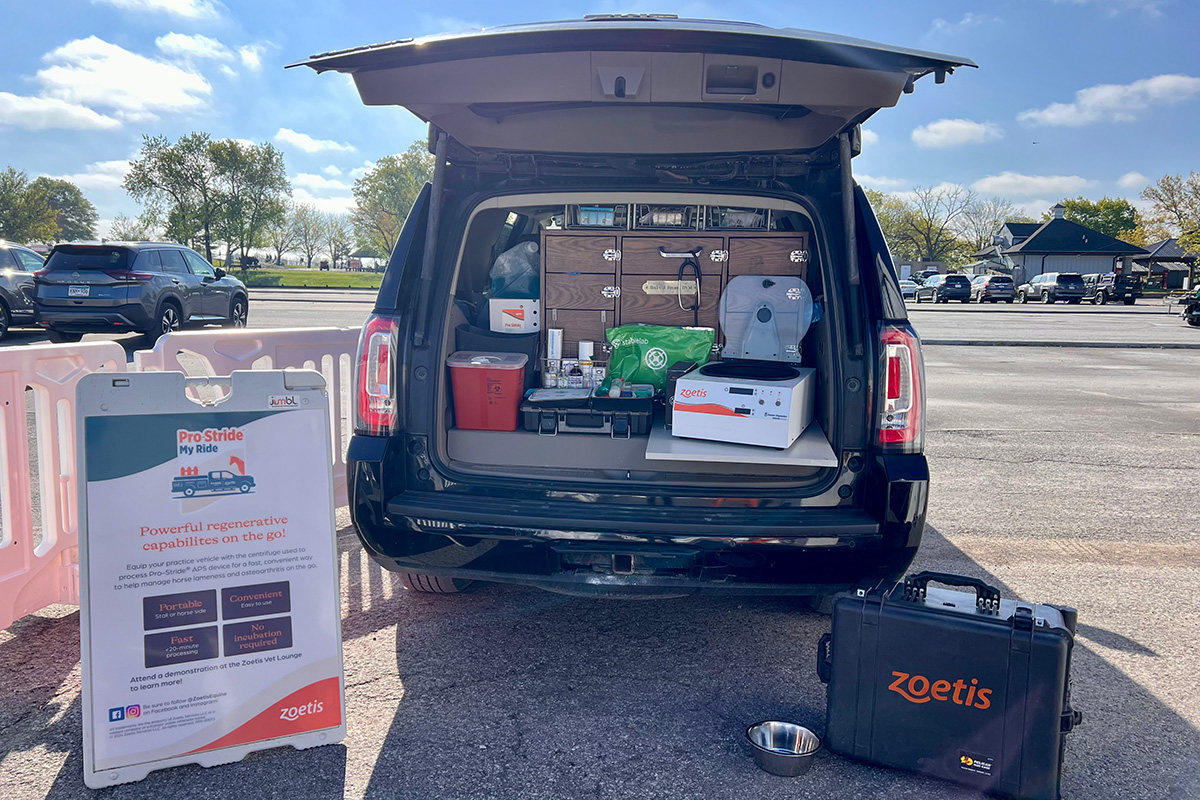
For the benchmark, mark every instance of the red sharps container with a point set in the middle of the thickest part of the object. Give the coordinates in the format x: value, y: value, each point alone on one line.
x: 487, y: 389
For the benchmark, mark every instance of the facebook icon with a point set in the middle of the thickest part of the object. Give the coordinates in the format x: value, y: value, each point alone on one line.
x: 116, y: 714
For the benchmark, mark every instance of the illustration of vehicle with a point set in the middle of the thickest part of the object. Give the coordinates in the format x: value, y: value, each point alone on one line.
x: 216, y: 482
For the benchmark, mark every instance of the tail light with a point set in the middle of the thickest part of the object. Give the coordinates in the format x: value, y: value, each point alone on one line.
x: 375, y: 387
x: 129, y: 275
x: 902, y: 393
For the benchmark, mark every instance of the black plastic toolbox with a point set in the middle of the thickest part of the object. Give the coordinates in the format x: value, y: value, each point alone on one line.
x: 967, y: 687
x: 620, y: 417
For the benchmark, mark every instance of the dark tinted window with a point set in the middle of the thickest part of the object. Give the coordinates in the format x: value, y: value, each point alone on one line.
x: 172, y: 261
x: 1070, y: 280
x: 999, y: 279
x: 147, y: 261
x: 957, y: 280
x: 77, y: 258
x: 7, y: 259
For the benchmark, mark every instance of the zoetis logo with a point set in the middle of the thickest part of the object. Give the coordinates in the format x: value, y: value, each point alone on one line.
x: 919, y: 689
x: 293, y: 713
x: 688, y: 394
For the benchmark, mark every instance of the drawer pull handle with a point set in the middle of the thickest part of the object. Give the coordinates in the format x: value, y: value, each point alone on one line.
x: 693, y: 254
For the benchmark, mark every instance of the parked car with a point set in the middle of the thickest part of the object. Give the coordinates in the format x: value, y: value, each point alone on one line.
x: 944, y: 288
x: 151, y: 287
x: 588, y: 513
x: 992, y: 289
x: 17, y: 265
x: 1052, y: 286
x: 1108, y: 286
x: 908, y: 289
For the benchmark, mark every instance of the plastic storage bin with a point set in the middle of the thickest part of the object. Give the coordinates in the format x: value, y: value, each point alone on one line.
x: 487, y: 389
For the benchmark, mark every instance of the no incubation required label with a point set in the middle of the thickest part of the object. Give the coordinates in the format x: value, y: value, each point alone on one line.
x: 211, y: 586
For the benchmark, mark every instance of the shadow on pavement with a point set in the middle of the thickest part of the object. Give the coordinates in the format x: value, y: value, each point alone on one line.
x: 513, y: 692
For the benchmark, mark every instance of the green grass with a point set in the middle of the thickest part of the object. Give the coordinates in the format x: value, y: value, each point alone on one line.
x: 309, y: 279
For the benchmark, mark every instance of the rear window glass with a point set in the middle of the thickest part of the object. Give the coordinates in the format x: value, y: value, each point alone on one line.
x: 957, y: 280
x: 1070, y: 280
x: 76, y: 258
x: 1000, y: 279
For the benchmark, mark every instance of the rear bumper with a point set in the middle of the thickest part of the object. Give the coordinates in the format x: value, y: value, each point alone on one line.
x: 128, y: 317
x: 656, y: 549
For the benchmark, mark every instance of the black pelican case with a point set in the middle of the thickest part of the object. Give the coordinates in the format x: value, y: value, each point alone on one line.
x: 967, y: 687
x: 620, y: 418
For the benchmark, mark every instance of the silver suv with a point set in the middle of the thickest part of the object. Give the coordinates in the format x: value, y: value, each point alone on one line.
x: 151, y: 287
x: 17, y: 265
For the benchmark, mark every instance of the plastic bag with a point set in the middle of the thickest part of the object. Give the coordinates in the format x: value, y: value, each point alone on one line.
x: 516, y: 272
x: 642, y: 353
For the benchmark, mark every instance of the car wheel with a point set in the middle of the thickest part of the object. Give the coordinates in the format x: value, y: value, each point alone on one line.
x: 1046, y: 298
x: 5, y: 320
x: 917, y: 297
x: 189, y: 491
x: 239, y: 313
x: 1194, y: 321
x: 1129, y: 301
x: 937, y: 296
x: 245, y: 487
x: 430, y: 584
x: 168, y: 320
x: 63, y: 337
x: 1100, y: 299
x: 1021, y: 296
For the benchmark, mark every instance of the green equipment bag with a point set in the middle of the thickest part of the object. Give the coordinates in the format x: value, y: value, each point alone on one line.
x: 642, y: 353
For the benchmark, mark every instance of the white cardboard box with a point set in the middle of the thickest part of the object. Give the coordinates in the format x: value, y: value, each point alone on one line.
x: 515, y: 316
x: 742, y: 411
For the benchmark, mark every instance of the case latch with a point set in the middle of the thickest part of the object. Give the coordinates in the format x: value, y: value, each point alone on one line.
x: 1069, y: 720
x: 1022, y: 619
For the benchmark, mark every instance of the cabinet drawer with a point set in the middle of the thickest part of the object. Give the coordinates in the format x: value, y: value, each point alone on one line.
x: 580, y: 326
x: 565, y: 253
x: 768, y: 255
x: 653, y: 300
x: 640, y: 254
x: 580, y: 290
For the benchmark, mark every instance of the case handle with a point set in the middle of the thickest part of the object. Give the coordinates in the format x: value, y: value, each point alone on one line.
x: 824, y: 662
x: 987, y: 597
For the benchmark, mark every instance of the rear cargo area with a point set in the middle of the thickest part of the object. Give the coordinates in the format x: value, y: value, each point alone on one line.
x: 543, y: 286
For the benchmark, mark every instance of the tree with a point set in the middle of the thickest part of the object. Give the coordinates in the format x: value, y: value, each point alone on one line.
x: 76, y: 215
x: 309, y: 225
x: 982, y: 219
x: 1176, y: 204
x: 252, y: 186
x: 1114, y: 216
x: 891, y: 212
x: 124, y: 229
x: 386, y: 194
x: 281, y: 232
x: 183, y: 177
x: 338, y: 237
x: 924, y: 224
x: 26, y: 214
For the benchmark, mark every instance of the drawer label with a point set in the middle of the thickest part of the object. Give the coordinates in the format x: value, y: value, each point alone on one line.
x: 669, y: 287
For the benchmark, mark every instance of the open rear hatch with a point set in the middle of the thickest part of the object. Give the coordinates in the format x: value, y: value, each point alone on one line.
x: 637, y: 84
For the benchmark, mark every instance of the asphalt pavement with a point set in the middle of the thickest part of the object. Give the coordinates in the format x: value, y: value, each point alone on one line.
x: 1059, y: 474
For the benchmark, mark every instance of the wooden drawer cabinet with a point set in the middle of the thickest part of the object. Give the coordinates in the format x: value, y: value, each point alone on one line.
x: 654, y: 299
x: 572, y: 253
x: 768, y: 255
x: 581, y: 290
x: 640, y: 254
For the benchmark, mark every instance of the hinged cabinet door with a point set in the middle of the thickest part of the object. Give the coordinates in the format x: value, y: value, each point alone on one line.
x: 580, y: 253
x: 769, y: 255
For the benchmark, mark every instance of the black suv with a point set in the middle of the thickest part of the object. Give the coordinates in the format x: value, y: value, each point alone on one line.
x: 1052, y: 286
x: 17, y: 265
x: 1109, y: 286
x: 117, y: 287
x: 648, y: 121
x: 944, y: 288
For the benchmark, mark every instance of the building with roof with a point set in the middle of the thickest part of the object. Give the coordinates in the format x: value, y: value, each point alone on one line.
x: 1026, y: 249
x: 1168, y: 264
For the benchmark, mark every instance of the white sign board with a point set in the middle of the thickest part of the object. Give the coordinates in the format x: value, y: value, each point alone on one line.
x: 210, y: 614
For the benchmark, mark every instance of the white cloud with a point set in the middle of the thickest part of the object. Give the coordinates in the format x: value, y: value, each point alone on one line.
x: 955, y: 132
x: 869, y: 137
x: 331, y: 205
x: 94, y: 72
x: 187, y: 9
x: 943, y: 29
x: 251, y: 56
x: 1034, y: 208
x: 1133, y: 181
x: 1110, y: 102
x: 228, y: 71
x: 40, y: 113
x: 332, y: 171
x: 1007, y: 183
x: 318, y: 182
x: 100, y: 175
x: 192, y: 46
x: 310, y: 145
x: 880, y: 183
x: 359, y: 172
x: 943, y: 187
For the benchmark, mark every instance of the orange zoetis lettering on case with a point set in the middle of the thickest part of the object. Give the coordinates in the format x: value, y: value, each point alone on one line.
x: 918, y: 689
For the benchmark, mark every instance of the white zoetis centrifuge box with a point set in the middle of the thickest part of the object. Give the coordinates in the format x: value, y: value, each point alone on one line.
x: 769, y: 413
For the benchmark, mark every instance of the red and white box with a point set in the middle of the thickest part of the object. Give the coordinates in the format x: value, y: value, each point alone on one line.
x: 515, y: 316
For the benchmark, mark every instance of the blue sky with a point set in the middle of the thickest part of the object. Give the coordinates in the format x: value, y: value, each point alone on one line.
x: 1073, y: 97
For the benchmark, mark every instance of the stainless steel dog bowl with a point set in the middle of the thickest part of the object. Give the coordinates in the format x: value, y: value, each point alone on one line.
x: 783, y: 748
